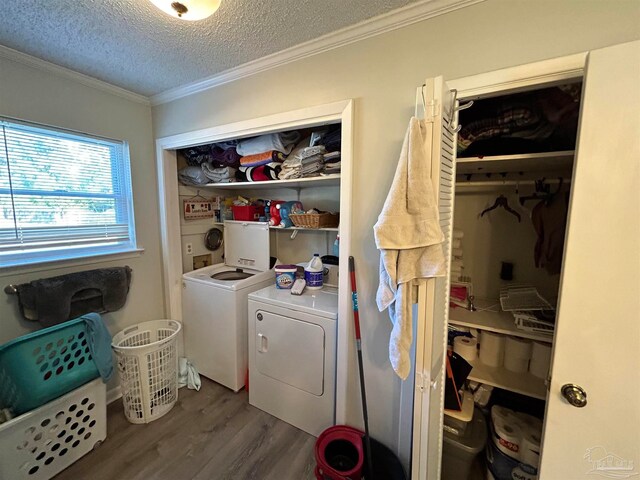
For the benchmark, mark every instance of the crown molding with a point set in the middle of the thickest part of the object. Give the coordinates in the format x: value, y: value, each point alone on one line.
x: 402, y: 17
x: 34, y: 62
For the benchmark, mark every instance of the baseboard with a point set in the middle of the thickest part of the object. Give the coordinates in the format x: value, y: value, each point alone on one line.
x: 114, y: 394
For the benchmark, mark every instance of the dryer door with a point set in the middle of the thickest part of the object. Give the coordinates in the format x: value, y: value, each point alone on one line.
x: 290, y: 351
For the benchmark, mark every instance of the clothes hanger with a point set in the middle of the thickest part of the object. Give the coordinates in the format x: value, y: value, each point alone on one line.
x: 543, y: 192
x: 197, y: 196
x: 501, y: 201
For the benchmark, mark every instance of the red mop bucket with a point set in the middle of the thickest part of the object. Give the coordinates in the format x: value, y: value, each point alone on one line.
x: 339, y: 454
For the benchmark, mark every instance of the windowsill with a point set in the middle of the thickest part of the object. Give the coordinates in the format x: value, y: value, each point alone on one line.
x: 68, y: 263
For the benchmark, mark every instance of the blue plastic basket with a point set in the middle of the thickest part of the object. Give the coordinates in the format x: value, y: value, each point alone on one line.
x: 43, y: 365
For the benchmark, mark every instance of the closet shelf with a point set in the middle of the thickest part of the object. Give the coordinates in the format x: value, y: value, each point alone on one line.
x: 322, y: 181
x: 523, y: 383
x: 529, y: 162
x: 332, y: 229
x: 499, y: 322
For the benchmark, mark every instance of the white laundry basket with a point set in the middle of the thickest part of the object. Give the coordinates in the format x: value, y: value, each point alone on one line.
x: 41, y: 443
x: 148, y: 368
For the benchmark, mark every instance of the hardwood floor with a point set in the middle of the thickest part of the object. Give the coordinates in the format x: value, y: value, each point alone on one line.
x: 208, y: 435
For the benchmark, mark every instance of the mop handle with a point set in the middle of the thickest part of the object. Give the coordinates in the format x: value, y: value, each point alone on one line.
x: 356, y: 321
x: 354, y: 299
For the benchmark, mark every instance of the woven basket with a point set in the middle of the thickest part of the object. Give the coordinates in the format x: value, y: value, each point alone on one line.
x: 315, y: 220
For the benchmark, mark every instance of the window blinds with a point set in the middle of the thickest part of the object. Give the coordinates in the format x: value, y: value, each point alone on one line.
x: 62, y: 194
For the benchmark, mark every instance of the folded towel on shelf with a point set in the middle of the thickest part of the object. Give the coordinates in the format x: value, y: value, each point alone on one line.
x: 57, y: 299
x: 311, y: 168
x: 195, y: 156
x: 261, y: 158
x: 219, y: 174
x: 332, y: 163
x: 260, y: 173
x: 300, y: 171
x: 456, y: 243
x: 225, y: 157
x: 192, y: 176
x: 99, y: 340
x: 282, y: 142
x: 332, y: 140
x: 456, y: 252
x: 289, y: 173
x: 307, y: 152
x: 220, y: 155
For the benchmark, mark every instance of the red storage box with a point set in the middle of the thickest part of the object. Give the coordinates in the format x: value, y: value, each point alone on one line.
x: 250, y: 213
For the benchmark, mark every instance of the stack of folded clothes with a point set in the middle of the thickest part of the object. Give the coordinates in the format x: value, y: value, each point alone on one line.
x: 262, y: 156
x: 331, y: 163
x: 281, y: 142
x: 192, y: 175
x: 215, y: 163
x: 332, y: 140
x: 219, y: 174
x: 303, y: 162
x: 260, y: 173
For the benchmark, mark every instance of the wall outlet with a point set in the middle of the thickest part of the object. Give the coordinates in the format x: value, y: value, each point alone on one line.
x: 189, y: 248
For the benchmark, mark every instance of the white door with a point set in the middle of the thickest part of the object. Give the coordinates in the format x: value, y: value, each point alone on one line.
x: 290, y: 351
x: 597, y: 343
x: 433, y: 297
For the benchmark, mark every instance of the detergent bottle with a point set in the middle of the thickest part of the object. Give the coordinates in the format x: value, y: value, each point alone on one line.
x: 313, y: 273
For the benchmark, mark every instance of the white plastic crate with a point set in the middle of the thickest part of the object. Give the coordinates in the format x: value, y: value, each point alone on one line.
x: 148, y: 368
x: 41, y: 443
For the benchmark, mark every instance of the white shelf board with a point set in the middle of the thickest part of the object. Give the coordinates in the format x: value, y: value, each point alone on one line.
x: 188, y: 190
x: 321, y: 181
x: 499, y: 322
x: 530, y: 162
x: 332, y: 229
x: 523, y: 383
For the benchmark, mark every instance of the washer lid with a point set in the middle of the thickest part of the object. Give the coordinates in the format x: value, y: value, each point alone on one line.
x: 246, y: 245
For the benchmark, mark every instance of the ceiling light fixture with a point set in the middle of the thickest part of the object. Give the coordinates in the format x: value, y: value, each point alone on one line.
x: 188, y: 9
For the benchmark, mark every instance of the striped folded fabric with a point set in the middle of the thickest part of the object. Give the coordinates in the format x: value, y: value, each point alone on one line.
x: 261, y: 158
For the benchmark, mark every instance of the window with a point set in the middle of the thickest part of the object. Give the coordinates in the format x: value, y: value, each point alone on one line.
x: 63, y: 195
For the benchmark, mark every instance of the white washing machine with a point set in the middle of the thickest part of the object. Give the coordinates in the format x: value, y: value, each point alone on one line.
x: 214, y: 303
x: 292, y: 356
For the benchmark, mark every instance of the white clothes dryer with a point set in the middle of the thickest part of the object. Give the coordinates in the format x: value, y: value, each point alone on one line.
x: 214, y: 303
x: 292, y: 356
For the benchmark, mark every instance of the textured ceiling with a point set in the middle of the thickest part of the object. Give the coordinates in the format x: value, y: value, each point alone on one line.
x: 132, y: 44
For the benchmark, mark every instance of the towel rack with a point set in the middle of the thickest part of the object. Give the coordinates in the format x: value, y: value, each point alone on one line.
x: 10, y: 290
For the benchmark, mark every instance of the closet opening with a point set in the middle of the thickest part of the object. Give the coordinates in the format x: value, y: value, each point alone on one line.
x: 193, y: 208
x: 515, y: 158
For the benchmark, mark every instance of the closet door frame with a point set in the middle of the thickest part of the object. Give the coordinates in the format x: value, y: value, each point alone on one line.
x: 504, y: 81
x: 170, y: 208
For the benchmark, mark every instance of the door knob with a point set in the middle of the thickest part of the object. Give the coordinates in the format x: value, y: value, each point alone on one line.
x: 574, y: 394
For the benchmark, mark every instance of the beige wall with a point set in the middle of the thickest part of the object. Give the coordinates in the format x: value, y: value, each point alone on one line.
x: 382, y: 74
x: 34, y: 95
